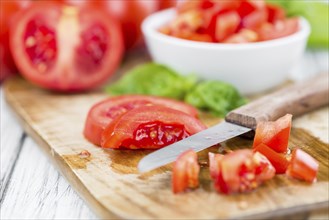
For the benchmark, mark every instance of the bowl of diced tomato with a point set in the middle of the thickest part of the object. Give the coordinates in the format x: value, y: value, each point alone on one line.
x: 250, y: 44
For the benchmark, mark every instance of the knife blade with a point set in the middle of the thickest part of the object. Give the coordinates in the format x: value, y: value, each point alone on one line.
x: 296, y: 99
x: 197, y: 142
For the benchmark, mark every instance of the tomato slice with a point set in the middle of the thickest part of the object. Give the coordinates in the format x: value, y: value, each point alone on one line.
x: 149, y: 127
x: 102, y: 113
x: 66, y: 48
x: 302, y: 166
x: 274, y: 134
x: 280, y: 28
x: 185, y: 172
x: 279, y: 161
x: 240, y: 171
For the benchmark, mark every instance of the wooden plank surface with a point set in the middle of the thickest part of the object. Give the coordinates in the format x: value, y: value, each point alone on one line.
x: 111, y: 184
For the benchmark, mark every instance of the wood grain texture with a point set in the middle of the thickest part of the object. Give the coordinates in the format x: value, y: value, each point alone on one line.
x: 109, y: 181
x: 10, y: 145
x: 42, y: 193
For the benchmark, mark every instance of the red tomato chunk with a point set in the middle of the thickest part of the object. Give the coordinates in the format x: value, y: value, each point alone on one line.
x: 239, y: 171
x: 279, y: 161
x: 274, y: 134
x: 185, y: 172
x: 302, y: 166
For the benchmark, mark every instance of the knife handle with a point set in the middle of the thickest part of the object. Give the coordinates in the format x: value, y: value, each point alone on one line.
x: 296, y: 99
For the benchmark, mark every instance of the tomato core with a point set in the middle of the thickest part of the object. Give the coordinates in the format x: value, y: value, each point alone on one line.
x: 157, y: 134
x: 40, y: 44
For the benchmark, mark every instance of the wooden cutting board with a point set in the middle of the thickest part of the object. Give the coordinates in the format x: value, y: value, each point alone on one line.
x: 109, y: 182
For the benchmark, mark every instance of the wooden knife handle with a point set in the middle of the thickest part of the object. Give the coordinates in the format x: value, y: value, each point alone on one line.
x: 296, y: 99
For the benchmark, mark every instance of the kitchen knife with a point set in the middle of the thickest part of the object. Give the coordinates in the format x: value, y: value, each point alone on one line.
x: 296, y: 99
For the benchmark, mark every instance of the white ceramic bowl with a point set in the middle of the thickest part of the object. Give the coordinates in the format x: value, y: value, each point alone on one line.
x: 251, y: 67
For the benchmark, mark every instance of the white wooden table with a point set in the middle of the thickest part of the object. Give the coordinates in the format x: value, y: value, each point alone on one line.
x: 32, y: 188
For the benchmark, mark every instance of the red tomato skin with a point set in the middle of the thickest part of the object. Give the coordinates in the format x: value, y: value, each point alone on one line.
x: 240, y: 171
x: 98, y: 116
x: 302, y: 166
x: 185, y: 172
x: 275, y: 13
x: 123, y: 128
x: 279, y: 162
x: 8, y: 10
x: 274, y: 134
x: 64, y: 75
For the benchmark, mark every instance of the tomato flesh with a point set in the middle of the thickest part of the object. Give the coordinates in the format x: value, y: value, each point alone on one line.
x: 149, y: 127
x: 104, y: 112
x: 156, y: 134
x: 279, y: 161
x: 274, y: 134
x: 40, y: 44
x: 303, y: 166
x: 240, y: 171
x: 185, y: 172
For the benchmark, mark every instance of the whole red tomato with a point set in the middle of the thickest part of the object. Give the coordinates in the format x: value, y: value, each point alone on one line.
x: 8, y: 8
x: 130, y: 13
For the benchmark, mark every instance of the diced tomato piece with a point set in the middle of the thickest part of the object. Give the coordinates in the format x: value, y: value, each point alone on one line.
x: 248, y: 6
x: 226, y: 24
x: 302, y: 166
x: 280, y: 28
x: 185, y: 172
x: 278, y: 160
x: 255, y: 19
x: 275, y: 13
x: 274, y: 134
x: 149, y: 127
x: 243, y: 36
x: 214, y: 164
x: 240, y: 171
x: 104, y: 112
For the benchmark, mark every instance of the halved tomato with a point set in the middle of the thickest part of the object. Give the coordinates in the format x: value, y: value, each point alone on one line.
x: 149, y: 127
x: 240, y: 171
x: 102, y: 113
x: 274, y: 134
x: 280, y: 28
x: 185, y: 172
x: 302, y: 166
x: 66, y: 48
x: 278, y: 160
